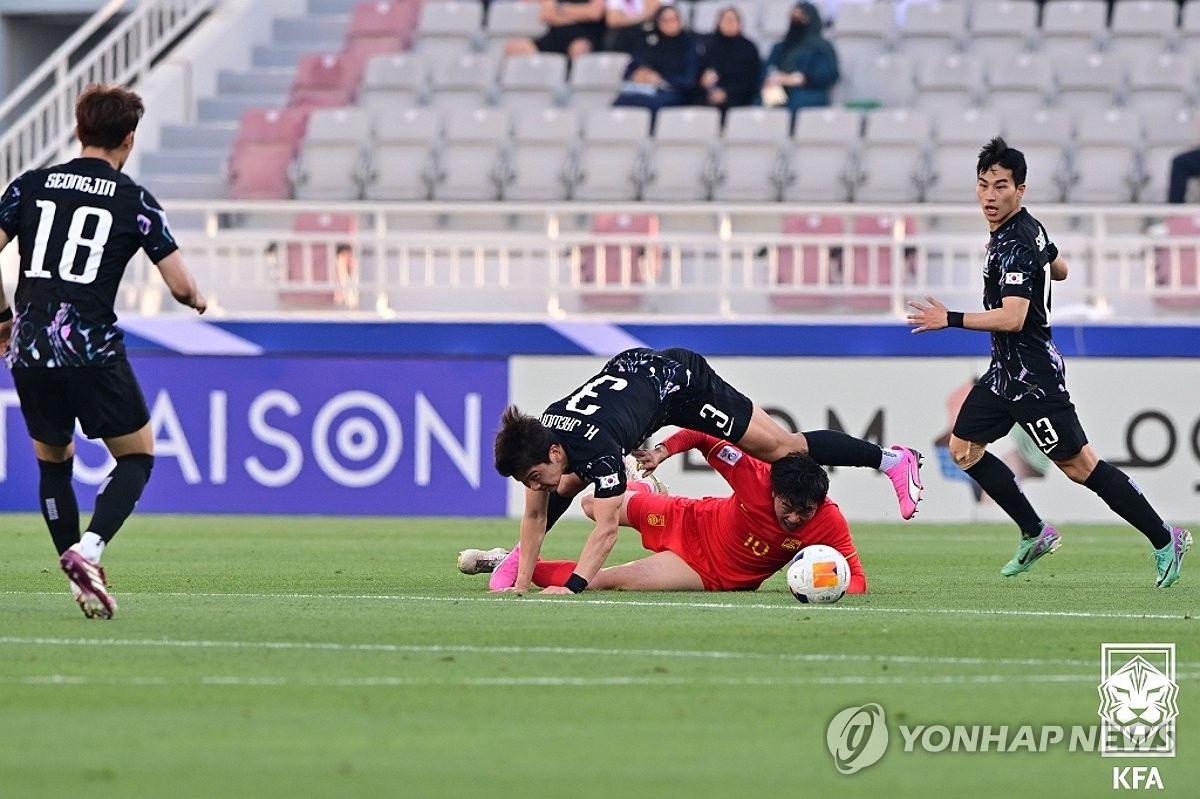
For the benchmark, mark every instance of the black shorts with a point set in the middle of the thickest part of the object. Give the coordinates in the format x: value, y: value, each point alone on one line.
x: 107, y: 401
x: 708, y: 404
x: 558, y: 39
x: 1051, y: 423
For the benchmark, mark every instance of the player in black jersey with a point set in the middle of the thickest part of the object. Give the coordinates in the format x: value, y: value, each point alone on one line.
x: 78, y: 224
x: 582, y: 439
x: 1026, y: 381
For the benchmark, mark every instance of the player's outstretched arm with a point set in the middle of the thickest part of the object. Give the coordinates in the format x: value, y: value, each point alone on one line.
x: 181, y: 283
x: 607, y: 513
x: 533, y: 533
x: 1008, y: 318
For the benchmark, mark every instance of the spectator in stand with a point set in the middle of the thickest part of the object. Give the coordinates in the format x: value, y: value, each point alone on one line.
x: 629, y: 22
x: 664, y: 70
x: 804, y: 65
x: 573, y: 27
x: 1184, y: 167
x: 730, y: 66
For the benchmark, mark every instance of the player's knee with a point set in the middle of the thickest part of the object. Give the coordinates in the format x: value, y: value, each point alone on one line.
x: 966, y: 457
x: 142, y: 463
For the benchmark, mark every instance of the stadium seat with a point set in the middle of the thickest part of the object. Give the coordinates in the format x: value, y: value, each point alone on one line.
x: 1004, y: 28
x: 539, y: 163
x: 751, y: 164
x: 960, y: 134
x: 321, y: 274
x: 512, y: 19
x: 875, y: 259
x: 680, y: 161
x: 821, y: 155
x: 466, y: 80
x: 611, y: 164
x: 1073, y: 26
x: 1162, y: 81
x: 330, y: 165
x: 805, y: 270
x: 595, y: 79
x: 609, y: 274
x: 862, y: 30
x: 403, y: 158
x: 1189, y: 27
x: 1167, y: 133
x: 532, y: 81
x: 381, y: 26
x: 1044, y: 136
x: 448, y: 28
x: 394, y: 80
x: 933, y: 28
x: 1176, y: 276
x: 326, y: 80
x: 949, y: 82
x: 774, y: 19
x: 880, y: 80
x: 892, y: 160
x: 1105, y: 159
x: 471, y: 159
x: 1143, y: 28
x: 706, y: 12
x: 262, y: 153
x: 1090, y: 82
x: 1017, y: 84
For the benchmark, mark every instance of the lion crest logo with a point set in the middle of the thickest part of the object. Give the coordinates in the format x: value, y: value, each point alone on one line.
x: 1140, y: 701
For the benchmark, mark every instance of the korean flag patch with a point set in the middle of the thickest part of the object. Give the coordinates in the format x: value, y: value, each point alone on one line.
x: 609, y: 481
x: 730, y: 455
x: 1015, y: 279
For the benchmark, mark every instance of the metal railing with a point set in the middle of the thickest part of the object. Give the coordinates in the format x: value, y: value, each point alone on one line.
x: 38, y: 117
x: 698, y: 261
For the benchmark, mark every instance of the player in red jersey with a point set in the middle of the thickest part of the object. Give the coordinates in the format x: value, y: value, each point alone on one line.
x: 729, y: 543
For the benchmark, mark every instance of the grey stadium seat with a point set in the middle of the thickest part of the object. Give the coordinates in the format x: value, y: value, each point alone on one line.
x: 959, y: 136
x: 862, y: 29
x: 1167, y: 133
x: 680, y: 161
x: 1003, y: 28
x: 611, y: 165
x: 706, y: 12
x: 467, y: 80
x: 331, y: 162
x: 512, y: 20
x: 751, y: 166
x: 1090, y: 82
x: 1105, y: 164
x: 1160, y: 81
x: 821, y: 155
x: 596, y: 79
x: 471, y: 159
x: 401, y: 165
x: 532, y: 81
x: 950, y: 81
x: 933, y: 28
x: 884, y: 79
x: 1073, y: 26
x: 540, y: 157
x: 892, y: 161
x: 1144, y: 27
x: 394, y: 80
x: 1044, y: 136
x: 1018, y: 84
x: 448, y: 27
x: 1189, y: 27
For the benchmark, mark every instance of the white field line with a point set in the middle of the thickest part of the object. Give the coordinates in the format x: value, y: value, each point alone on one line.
x: 784, y: 604
x: 468, y: 649
x: 538, y: 682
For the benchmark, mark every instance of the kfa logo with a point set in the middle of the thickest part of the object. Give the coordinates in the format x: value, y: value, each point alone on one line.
x: 1138, y: 707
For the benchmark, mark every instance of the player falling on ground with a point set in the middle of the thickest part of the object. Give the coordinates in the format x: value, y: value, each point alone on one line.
x: 1026, y: 381
x: 582, y: 439
x: 78, y: 224
x: 729, y: 543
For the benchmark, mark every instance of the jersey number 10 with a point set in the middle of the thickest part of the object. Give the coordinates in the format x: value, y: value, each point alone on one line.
x: 75, y: 239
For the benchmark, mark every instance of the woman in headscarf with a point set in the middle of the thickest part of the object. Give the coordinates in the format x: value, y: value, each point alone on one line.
x: 804, y: 64
x: 664, y: 70
x: 730, y: 66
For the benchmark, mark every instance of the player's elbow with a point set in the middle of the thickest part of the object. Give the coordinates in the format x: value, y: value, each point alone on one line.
x: 588, y: 504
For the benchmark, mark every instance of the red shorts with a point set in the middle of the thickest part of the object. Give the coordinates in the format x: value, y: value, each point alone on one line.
x: 671, y: 524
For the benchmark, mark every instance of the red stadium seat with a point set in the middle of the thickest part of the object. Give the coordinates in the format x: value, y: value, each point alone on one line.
x: 266, y: 143
x: 618, y: 266
x: 327, y: 80
x: 382, y: 26
x: 282, y: 126
x: 1175, y: 266
x: 320, y: 274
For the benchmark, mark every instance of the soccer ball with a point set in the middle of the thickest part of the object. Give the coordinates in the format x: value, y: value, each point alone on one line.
x: 818, y: 574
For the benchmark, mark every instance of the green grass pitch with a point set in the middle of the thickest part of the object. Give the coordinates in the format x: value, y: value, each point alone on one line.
x: 332, y: 657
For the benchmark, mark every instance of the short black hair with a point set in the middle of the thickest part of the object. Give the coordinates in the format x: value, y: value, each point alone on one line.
x: 997, y: 153
x: 799, y: 480
x: 522, y: 443
x: 105, y: 115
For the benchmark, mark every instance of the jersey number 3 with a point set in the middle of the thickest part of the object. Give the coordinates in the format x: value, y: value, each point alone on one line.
x: 70, y: 248
x: 574, y: 404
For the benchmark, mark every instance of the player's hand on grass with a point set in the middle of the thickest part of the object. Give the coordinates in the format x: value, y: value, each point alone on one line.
x: 557, y: 589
